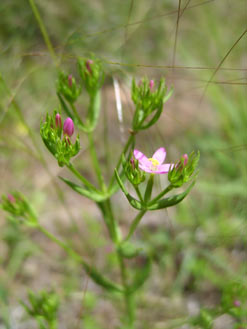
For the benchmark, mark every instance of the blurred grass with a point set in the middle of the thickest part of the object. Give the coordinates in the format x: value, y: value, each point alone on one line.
x: 202, y: 244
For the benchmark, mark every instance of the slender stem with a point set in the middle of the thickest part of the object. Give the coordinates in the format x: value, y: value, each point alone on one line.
x: 43, y: 30
x: 95, y: 161
x: 62, y: 244
x: 135, y: 223
x: 80, y: 177
x: 76, y: 113
x: 168, y: 189
x: 138, y: 192
x: 128, y: 143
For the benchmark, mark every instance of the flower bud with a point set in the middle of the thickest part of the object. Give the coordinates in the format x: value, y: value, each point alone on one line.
x: 58, y: 120
x: 237, y: 303
x: 11, y: 198
x: 89, y: 62
x: 151, y: 84
x: 68, y: 127
x: 70, y: 80
x: 185, y: 159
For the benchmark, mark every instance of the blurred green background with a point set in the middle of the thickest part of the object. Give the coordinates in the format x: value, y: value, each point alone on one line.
x: 200, y: 246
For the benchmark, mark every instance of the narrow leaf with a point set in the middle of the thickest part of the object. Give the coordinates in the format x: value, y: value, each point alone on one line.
x: 93, y: 195
x: 171, y: 201
x: 133, y: 202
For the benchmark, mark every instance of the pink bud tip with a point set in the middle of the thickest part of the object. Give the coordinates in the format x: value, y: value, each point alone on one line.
x: 151, y: 84
x: 11, y: 198
x: 185, y: 158
x: 89, y: 62
x: 70, y: 81
x: 68, y: 127
x: 58, y: 120
x: 237, y: 303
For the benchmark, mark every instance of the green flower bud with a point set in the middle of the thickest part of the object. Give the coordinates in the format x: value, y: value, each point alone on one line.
x: 62, y: 148
x: 92, y: 74
x: 19, y: 209
x: 66, y: 86
x: 132, y: 171
x: 182, y: 171
x: 149, y: 102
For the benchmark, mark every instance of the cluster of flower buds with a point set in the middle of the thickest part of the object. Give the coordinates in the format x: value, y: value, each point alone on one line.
x: 92, y: 74
x: 66, y: 86
x: 19, y: 209
x: 56, y: 137
x: 148, y: 101
x: 43, y: 307
x: 182, y: 171
x: 132, y: 171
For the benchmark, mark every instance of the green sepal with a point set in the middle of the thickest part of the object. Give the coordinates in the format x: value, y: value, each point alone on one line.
x: 170, y: 201
x: 128, y: 249
x: 149, y: 188
x: 90, y: 194
x: 141, y: 276
x: 133, y: 202
x: 101, y: 280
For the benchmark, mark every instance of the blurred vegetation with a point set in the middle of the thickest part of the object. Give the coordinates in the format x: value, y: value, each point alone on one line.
x: 201, y: 247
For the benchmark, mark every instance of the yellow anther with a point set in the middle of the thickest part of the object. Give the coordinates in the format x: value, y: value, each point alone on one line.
x: 155, y: 163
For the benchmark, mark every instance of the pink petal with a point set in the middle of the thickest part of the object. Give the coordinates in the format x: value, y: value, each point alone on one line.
x: 147, y: 168
x: 160, y: 155
x: 164, y: 168
x: 143, y: 160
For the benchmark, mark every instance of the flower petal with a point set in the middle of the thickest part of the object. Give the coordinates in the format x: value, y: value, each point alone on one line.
x: 164, y: 168
x: 160, y: 155
x: 143, y: 160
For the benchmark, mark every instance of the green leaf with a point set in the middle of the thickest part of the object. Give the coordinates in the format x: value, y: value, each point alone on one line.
x: 172, y: 200
x: 101, y: 280
x: 90, y: 194
x: 141, y: 276
x: 133, y: 202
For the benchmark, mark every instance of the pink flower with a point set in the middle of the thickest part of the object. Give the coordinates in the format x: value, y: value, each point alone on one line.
x: 68, y: 127
x: 237, y: 303
x: 155, y: 164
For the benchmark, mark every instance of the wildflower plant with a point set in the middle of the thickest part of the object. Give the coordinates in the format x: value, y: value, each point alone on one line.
x: 133, y: 166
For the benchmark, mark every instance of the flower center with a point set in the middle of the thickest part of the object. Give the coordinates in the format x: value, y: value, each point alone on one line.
x: 155, y: 163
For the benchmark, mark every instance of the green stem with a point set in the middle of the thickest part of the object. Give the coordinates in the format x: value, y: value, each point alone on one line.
x: 135, y: 223
x: 76, y: 114
x: 63, y: 245
x: 128, y: 143
x: 129, y: 303
x: 138, y: 193
x: 43, y: 30
x: 149, y: 188
x: 168, y: 189
x: 81, y: 178
x: 95, y: 161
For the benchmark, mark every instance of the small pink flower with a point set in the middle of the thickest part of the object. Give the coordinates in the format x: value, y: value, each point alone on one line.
x: 155, y: 164
x: 89, y: 62
x: 58, y: 120
x: 70, y: 80
x: 68, y: 127
x: 11, y: 198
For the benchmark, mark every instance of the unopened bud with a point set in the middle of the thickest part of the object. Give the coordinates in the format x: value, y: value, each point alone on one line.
x: 89, y: 62
x: 151, y: 84
x: 68, y: 127
x: 237, y: 303
x: 185, y: 159
x: 70, y: 81
x: 11, y: 198
x: 58, y: 120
